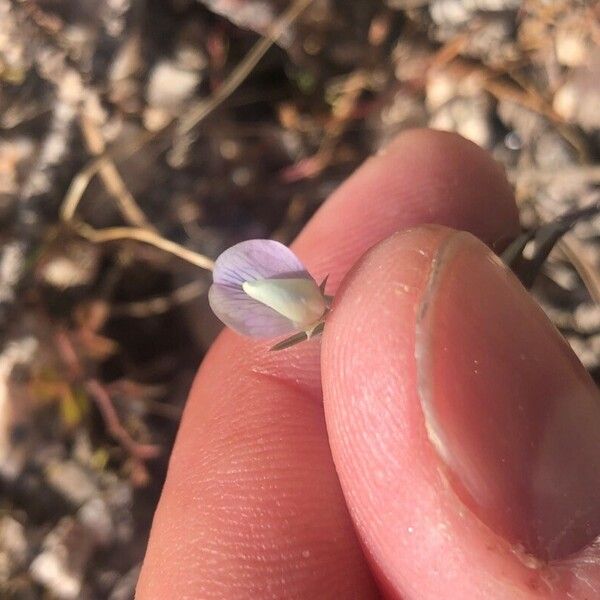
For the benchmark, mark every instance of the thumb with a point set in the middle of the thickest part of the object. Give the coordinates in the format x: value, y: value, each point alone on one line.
x: 465, y: 433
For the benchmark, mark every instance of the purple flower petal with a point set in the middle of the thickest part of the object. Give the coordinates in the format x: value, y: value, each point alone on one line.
x: 249, y: 261
x: 245, y: 315
x: 256, y: 259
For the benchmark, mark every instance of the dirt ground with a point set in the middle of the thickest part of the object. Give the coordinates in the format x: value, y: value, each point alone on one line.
x: 128, y: 123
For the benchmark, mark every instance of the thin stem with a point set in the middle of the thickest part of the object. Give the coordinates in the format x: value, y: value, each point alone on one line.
x: 239, y: 74
x: 81, y: 181
x: 111, y: 177
x: 198, y: 112
x: 109, y: 414
x: 111, y: 234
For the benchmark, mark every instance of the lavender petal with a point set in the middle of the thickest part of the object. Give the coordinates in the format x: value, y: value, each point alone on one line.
x: 256, y: 259
x: 245, y: 315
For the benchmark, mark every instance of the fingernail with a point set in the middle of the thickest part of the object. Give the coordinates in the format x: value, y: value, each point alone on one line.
x: 513, y: 415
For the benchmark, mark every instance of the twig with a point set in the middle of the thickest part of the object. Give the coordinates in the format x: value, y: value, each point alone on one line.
x: 198, y: 112
x: 514, y: 89
x: 146, y: 394
x: 584, y: 173
x: 342, y: 110
x: 68, y: 354
x: 571, y: 247
x: 111, y: 419
x: 160, y: 304
x: 239, y: 74
x: 111, y: 177
x: 145, y: 236
x: 529, y: 98
x: 81, y: 181
x: 103, y: 400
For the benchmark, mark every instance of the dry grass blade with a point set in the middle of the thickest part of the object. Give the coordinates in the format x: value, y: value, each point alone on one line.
x: 590, y: 276
x: 105, y: 405
x: 239, y: 74
x: 111, y: 234
x: 111, y: 177
x: 530, y: 99
x: 80, y: 182
x: 189, y: 121
x: 584, y: 173
x: 160, y: 304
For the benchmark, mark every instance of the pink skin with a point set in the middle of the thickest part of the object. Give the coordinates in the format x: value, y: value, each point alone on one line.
x: 256, y: 506
x: 506, y: 405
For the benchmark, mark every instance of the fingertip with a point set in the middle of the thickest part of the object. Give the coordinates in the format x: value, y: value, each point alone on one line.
x: 464, y: 178
x: 447, y: 390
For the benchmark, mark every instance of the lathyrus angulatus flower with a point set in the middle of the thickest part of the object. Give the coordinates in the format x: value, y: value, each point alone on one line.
x: 262, y: 290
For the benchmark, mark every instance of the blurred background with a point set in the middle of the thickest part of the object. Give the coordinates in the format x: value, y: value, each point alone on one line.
x: 125, y: 123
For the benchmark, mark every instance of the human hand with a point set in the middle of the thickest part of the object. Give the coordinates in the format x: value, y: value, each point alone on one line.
x: 443, y: 426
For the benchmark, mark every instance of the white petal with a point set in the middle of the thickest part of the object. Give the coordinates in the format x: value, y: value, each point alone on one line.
x: 299, y: 300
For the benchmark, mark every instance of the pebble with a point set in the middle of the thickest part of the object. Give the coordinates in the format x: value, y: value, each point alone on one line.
x: 571, y: 45
x: 13, y: 547
x: 96, y: 518
x: 526, y: 123
x: 445, y: 84
x: 12, y: 455
x: 449, y: 12
x: 170, y: 85
x: 60, y: 567
x: 71, y: 481
x: 70, y: 265
x: 587, y: 317
x: 256, y: 15
x: 119, y: 499
x: 467, y: 116
x: 578, y: 99
x: 458, y: 12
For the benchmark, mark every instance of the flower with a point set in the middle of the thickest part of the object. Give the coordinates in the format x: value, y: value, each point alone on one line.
x: 261, y: 289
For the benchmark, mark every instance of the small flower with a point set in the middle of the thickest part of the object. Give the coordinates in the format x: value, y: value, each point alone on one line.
x: 261, y: 289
